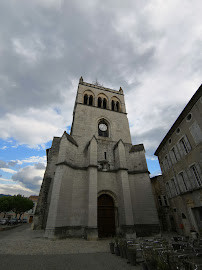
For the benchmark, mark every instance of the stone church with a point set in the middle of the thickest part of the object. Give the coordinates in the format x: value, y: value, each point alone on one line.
x: 96, y: 183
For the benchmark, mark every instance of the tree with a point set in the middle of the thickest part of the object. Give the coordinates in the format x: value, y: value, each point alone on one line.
x: 17, y: 203
x: 21, y: 204
x: 6, y: 204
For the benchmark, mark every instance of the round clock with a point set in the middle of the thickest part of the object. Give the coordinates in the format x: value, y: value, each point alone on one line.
x: 102, y: 127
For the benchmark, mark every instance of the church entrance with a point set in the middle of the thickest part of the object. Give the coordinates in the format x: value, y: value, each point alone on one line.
x: 106, y: 216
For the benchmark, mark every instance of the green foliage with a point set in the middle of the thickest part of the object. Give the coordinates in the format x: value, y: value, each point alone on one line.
x: 5, y: 204
x: 21, y: 204
x: 16, y: 203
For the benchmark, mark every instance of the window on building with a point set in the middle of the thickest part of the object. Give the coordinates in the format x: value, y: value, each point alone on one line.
x: 105, y: 154
x: 104, y: 103
x: 175, y: 191
x: 165, y: 200
x: 85, y: 99
x: 182, y: 178
x: 184, y: 143
x: 189, y: 116
x: 99, y: 102
x: 167, y: 162
x: 168, y: 190
x: 117, y: 106
x: 113, y: 105
x: 178, y: 130
x: 174, y: 154
x: 91, y: 100
x: 196, y: 175
x: 160, y: 201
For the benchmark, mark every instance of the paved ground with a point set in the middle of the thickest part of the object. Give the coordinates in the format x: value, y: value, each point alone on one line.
x: 23, y: 248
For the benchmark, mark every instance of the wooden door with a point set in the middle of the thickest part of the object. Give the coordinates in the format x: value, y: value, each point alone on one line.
x: 106, y: 216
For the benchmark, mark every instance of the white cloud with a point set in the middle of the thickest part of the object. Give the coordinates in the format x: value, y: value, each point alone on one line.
x: 14, y: 189
x: 35, y: 127
x: 6, y: 180
x: 8, y: 170
x: 4, y: 147
x: 33, y: 159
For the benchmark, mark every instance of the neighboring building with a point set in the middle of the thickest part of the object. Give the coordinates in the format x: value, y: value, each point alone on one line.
x: 162, y: 202
x: 30, y: 214
x: 96, y: 183
x: 180, y: 158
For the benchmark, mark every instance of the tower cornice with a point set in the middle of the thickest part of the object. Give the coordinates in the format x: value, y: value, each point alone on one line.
x: 118, y: 92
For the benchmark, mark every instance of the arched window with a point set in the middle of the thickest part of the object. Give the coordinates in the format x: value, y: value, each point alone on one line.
x: 99, y: 102
x: 113, y: 105
x: 104, y: 103
x: 103, y: 129
x: 86, y: 99
x: 117, y: 106
x: 91, y: 101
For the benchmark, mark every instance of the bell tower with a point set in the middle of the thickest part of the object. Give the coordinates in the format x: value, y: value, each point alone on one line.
x: 99, y: 112
x: 96, y: 183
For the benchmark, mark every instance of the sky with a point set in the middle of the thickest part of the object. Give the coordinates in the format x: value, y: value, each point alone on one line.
x: 152, y: 49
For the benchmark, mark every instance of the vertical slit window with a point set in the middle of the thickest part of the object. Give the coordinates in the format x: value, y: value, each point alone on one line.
x: 105, y: 155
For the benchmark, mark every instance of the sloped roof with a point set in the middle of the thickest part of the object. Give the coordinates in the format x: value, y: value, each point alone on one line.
x: 70, y: 138
x: 137, y: 148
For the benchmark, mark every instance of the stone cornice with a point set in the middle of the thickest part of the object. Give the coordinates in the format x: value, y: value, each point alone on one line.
x: 68, y: 164
x: 101, y: 88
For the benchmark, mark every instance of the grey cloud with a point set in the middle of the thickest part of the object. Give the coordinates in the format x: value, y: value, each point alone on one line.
x: 40, y: 166
x: 27, y: 178
x: 12, y: 163
x: 73, y: 42
x: 3, y: 164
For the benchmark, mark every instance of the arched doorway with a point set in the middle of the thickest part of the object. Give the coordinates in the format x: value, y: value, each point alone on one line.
x: 106, y: 216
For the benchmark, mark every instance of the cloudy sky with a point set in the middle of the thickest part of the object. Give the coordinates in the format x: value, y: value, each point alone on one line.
x: 152, y: 49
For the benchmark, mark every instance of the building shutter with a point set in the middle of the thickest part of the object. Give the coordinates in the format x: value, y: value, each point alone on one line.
x: 187, y: 180
x: 181, y: 184
x: 187, y: 143
x: 192, y: 178
x: 172, y: 157
x: 180, y: 149
x: 168, y: 190
x: 177, y: 190
x: 196, y: 132
x: 169, y: 161
x: 177, y: 152
x: 199, y: 172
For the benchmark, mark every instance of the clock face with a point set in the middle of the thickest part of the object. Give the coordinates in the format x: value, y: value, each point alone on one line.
x: 102, y: 127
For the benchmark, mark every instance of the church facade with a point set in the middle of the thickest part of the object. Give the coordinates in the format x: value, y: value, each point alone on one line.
x: 96, y: 183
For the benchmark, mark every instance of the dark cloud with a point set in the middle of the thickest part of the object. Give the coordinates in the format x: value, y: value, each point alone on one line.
x: 30, y: 177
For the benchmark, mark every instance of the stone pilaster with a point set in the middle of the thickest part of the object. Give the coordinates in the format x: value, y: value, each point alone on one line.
x: 127, y: 218
x: 91, y: 229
